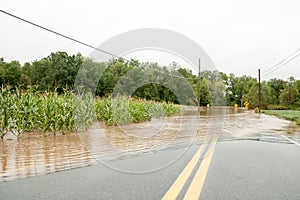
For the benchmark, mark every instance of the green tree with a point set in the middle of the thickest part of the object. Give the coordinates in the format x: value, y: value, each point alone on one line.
x: 57, y: 71
x: 289, y: 94
x: 216, y: 87
x: 10, y: 73
x: 277, y: 85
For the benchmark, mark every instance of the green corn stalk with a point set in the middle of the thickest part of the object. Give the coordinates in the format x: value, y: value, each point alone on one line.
x: 4, y: 116
x: 50, y: 112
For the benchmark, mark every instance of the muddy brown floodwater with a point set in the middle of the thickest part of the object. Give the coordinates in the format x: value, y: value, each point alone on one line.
x: 34, y: 154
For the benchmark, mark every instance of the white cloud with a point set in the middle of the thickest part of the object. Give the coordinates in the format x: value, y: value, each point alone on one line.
x: 240, y: 36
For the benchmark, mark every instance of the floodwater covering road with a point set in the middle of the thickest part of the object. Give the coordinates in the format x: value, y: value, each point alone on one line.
x: 34, y: 154
x: 155, y: 149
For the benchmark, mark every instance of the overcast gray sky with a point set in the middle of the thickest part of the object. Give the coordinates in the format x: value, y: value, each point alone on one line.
x: 239, y: 36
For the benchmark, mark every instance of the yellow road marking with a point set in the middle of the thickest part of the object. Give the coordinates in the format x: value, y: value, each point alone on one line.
x: 177, y: 186
x: 196, y: 186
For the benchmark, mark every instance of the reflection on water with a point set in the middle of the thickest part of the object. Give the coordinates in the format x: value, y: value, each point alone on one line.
x: 34, y: 154
x: 251, y: 126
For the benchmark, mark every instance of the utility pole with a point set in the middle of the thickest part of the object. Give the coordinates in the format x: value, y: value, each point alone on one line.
x: 199, y: 74
x: 259, y: 91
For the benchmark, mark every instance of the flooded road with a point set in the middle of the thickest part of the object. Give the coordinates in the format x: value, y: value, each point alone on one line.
x: 34, y: 154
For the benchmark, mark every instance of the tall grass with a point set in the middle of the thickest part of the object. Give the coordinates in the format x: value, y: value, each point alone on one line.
x: 52, y: 113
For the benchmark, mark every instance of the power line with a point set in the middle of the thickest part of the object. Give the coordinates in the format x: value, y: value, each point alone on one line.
x: 77, y: 41
x: 59, y: 34
x: 283, y: 64
x: 269, y: 69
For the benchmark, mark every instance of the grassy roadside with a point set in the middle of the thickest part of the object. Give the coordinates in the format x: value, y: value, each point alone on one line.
x: 292, y: 115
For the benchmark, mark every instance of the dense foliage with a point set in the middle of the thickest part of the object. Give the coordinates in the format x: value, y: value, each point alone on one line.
x: 60, y: 71
x: 275, y: 93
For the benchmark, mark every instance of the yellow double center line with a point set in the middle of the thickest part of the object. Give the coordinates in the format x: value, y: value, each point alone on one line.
x: 195, y: 187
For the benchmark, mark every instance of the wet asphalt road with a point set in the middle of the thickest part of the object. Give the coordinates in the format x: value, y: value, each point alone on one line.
x: 238, y: 170
x: 101, y: 182
x: 253, y: 170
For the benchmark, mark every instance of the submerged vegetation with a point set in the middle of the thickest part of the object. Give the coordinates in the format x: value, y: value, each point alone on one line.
x: 292, y: 115
x: 50, y: 112
x: 123, y: 110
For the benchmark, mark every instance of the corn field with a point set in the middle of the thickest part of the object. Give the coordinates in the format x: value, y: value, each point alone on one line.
x: 50, y: 113
x: 124, y: 111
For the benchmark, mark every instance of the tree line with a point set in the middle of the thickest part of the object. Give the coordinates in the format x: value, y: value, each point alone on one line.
x: 60, y: 71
